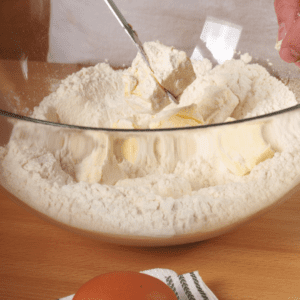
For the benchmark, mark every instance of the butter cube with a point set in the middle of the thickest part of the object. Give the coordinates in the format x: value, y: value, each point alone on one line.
x: 172, y: 68
x: 124, y: 124
x: 180, y: 117
x: 230, y: 119
x: 242, y: 147
x: 130, y: 149
x: 140, y: 151
x: 130, y: 83
x: 217, y: 104
x: 144, y: 90
x: 100, y: 165
x: 141, y: 89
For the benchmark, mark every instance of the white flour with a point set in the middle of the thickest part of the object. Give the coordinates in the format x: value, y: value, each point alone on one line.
x: 181, y: 192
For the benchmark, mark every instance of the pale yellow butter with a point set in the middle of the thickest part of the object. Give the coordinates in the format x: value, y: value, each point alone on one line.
x: 130, y: 149
x: 230, y: 119
x: 179, y: 117
x: 100, y: 165
x: 141, y: 89
x: 124, y: 124
x: 217, y: 104
x: 242, y: 147
x: 172, y: 68
x: 144, y: 88
x: 130, y: 83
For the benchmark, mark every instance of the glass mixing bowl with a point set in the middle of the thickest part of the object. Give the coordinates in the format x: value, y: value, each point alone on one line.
x: 42, y: 42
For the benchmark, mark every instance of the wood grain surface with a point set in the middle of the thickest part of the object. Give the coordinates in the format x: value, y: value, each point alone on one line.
x: 260, y: 260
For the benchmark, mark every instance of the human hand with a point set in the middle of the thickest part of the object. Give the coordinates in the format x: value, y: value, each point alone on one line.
x: 288, y: 17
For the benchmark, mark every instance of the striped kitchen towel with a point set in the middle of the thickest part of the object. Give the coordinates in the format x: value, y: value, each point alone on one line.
x: 189, y: 286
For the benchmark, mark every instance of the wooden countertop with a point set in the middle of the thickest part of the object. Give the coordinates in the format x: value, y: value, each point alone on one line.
x: 260, y: 260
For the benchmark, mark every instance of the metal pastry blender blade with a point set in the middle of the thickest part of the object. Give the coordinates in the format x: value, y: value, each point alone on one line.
x: 134, y: 37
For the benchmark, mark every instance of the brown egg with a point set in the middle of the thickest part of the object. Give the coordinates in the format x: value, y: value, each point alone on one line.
x: 125, y: 285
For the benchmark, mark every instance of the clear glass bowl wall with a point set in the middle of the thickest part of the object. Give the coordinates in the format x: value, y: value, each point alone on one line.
x: 31, y: 67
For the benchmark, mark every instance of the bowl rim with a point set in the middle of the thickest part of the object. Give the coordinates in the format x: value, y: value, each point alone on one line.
x: 39, y: 121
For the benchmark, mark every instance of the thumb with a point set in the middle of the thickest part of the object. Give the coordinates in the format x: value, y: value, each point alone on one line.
x: 286, y: 12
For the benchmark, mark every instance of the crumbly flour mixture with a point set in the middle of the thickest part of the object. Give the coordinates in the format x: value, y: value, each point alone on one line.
x: 157, y: 183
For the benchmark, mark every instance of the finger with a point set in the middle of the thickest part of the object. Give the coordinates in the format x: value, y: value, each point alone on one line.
x: 282, y: 6
x: 286, y: 11
x: 290, y: 47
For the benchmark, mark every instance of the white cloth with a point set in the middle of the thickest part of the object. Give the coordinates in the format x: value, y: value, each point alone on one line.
x: 189, y: 286
x: 87, y: 31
